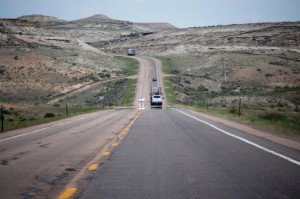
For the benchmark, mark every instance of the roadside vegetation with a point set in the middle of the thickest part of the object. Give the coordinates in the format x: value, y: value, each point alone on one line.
x: 201, y: 85
x: 114, y: 91
x: 130, y: 94
x: 270, y: 120
x: 20, y: 116
x: 169, y: 90
x: 131, y: 66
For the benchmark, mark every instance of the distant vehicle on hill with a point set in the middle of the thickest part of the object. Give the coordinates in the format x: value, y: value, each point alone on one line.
x: 131, y: 52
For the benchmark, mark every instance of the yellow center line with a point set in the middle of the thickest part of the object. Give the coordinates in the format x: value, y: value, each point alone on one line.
x: 106, y: 153
x: 93, y: 167
x: 68, y: 193
x: 115, y: 144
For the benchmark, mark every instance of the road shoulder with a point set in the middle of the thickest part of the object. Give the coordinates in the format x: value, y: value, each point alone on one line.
x: 283, y: 141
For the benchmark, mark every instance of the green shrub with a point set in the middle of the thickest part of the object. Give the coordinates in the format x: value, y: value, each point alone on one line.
x: 232, y: 110
x: 22, y: 119
x: 102, y: 75
x: 273, y: 115
x: 174, y: 71
x: 49, y: 115
x: 6, y: 112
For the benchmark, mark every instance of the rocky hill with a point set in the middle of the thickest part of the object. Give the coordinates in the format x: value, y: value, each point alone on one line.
x: 37, y: 65
x: 260, y: 62
x: 277, y: 35
x: 41, y: 19
x: 100, y: 31
x: 159, y: 26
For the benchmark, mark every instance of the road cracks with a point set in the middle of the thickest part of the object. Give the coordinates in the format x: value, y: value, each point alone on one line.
x: 74, y: 186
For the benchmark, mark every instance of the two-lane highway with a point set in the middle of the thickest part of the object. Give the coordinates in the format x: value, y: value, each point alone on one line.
x: 169, y: 154
x: 149, y: 68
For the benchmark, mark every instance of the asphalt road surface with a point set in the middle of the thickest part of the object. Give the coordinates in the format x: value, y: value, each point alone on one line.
x: 37, y: 162
x: 168, y: 154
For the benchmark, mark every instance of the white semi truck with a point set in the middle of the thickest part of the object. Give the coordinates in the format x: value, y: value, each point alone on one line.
x: 156, y: 97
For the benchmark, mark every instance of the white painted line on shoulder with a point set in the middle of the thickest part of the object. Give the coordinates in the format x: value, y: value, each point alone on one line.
x: 243, y: 139
x: 41, y: 129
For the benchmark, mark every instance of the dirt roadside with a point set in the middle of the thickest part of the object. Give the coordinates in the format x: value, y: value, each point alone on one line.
x: 284, y: 141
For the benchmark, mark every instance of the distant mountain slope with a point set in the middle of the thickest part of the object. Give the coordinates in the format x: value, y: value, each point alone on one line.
x: 159, y: 26
x: 99, y: 29
x: 230, y: 37
x: 42, y: 19
x: 94, y: 18
x: 217, y: 61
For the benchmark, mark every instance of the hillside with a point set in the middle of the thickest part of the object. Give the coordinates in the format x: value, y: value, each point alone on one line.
x: 259, y: 62
x: 159, y: 26
x: 37, y: 65
x: 41, y: 19
x: 99, y: 30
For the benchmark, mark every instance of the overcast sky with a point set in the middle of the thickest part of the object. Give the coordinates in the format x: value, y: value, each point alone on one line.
x: 181, y: 13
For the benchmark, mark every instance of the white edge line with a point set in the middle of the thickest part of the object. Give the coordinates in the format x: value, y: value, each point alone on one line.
x: 244, y: 140
x: 48, y: 127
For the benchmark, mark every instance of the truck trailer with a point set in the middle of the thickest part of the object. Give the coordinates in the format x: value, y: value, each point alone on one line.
x: 156, y: 97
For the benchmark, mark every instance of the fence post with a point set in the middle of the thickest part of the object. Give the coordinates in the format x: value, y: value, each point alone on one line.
x: 207, y: 105
x: 2, y: 119
x: 67, y: 111
x: 240, y: 101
